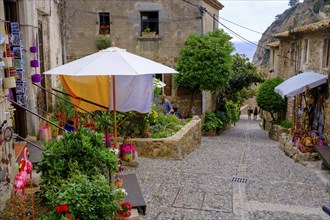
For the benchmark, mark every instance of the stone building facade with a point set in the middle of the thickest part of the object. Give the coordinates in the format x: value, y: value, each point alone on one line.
x: 303, y: 49
x: 173, y: 22
x: 25, y: 24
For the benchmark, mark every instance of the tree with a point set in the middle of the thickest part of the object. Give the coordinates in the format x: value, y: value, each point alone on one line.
x: 205, y: 62
x: 244, y: 74
x: 293, y: 3
x: 268, y: 99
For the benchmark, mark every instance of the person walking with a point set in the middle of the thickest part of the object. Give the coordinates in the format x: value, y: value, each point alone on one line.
x: 255, y: 113
x: 249, y: 111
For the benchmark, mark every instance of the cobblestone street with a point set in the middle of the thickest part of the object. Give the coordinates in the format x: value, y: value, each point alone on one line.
x: 269, y: 185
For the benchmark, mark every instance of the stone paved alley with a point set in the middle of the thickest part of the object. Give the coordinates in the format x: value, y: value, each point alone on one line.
x: 201, y: 186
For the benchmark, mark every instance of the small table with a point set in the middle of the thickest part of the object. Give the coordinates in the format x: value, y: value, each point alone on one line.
x: 134, y: 194
x: 324, y: 152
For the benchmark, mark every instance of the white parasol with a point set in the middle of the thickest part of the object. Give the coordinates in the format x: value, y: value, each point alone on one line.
x: 113, y: 62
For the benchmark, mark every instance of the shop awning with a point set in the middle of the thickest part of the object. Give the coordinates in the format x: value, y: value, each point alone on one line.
x: 297, y: 84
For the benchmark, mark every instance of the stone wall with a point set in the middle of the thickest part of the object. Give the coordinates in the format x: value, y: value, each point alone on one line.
x: 289, y: 148
x: 175, y: 147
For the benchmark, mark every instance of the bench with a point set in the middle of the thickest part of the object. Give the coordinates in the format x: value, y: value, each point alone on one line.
x: 134, y: 194
x: 324, y: 153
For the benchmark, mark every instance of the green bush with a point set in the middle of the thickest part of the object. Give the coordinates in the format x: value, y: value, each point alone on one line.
x: 283, y: 123
x: 77, y: 151
x: 232, y: 112
x: 102, y: 43
x: 212, y: 122
x: 87, y: 198
x: 268, y: 99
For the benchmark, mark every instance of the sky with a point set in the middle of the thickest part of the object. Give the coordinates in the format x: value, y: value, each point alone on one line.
x: 257, y: 15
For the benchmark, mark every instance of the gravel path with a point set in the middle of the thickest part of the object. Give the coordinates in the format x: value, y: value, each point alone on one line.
x: 269, y: 185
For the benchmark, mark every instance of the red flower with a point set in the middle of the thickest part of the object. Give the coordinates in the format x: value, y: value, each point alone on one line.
x: 126, y: 215
x: 68, y: 216
x: 126, y: 206
x: 63, y: 208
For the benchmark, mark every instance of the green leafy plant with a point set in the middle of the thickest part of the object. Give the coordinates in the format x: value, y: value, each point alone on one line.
x: 102, y: 42
x: 77, y: 151
x: 147, y: 30
x: 232, y: 112
x: 85, y: 198
x: 212, y: 122
x: 63, y: 106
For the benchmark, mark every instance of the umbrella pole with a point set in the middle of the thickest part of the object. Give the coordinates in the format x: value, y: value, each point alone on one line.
x: 114, y: 107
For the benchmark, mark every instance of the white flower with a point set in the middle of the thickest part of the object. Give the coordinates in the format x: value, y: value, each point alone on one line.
x: 121, y: 190
x: 114, y: 150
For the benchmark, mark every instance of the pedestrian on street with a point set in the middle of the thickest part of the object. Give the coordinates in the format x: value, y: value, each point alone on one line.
x: 249, y: 111
x: 255, y: 113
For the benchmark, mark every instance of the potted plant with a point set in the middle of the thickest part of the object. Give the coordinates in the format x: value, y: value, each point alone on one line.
x: 211, y: 124
x: 105, y: 29
x: 148, y: 33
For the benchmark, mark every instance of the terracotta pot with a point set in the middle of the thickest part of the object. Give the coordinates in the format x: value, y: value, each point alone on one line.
x: 34, y: 63
x: 119, y: 183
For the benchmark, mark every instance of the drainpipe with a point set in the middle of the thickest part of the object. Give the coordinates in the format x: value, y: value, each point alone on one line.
x: 202, y: 12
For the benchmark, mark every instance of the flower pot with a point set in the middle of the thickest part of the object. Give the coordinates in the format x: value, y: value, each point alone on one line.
x: 36, y: 78
x: 9, y: 82
x: 33, y: 49
x: 149, y: 34
x: 34, y: 63
x: 119, y: 183
x: 122, y: 216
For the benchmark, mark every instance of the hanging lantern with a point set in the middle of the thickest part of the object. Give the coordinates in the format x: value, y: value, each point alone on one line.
x: 36, y: 78
x: 34, y: 63
x: 33, y: 49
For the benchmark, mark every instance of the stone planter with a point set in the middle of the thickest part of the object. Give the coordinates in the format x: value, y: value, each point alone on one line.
x: 175, y: 147
x: 149, y: 34
x: 276, y: 131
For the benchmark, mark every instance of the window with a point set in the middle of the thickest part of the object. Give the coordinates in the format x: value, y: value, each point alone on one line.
x: 326, y: 53
x: 305, y: 51
x: 104, y: 23
x: 150, y: 20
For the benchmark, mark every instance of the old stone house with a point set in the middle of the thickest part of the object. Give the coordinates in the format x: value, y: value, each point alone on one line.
x: 24, y: 24
x: 303, y: 49
x: 124, y: 22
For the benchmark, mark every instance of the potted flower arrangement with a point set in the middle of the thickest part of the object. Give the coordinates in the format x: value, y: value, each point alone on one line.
x: 148, y: 33
x: 105, y: 29
x: 124, y: 212
x: 119, y: 181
